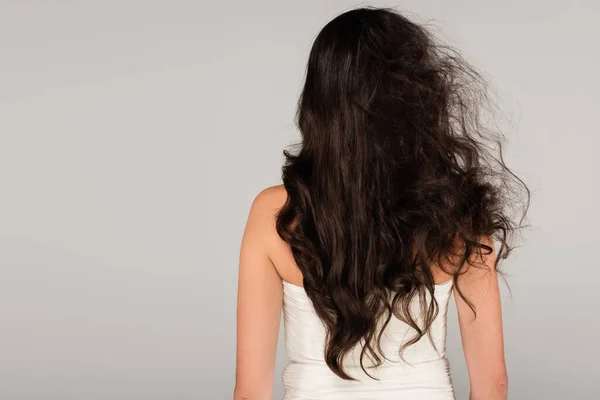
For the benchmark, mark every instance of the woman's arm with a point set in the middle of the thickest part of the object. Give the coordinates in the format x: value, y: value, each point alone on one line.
x: 259, y: 301
x: 482, y: 337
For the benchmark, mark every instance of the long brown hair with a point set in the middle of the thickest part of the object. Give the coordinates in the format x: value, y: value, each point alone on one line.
x: 394, y: 167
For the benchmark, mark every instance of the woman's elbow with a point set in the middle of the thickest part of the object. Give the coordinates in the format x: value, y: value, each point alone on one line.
x: 502, y: 386
x: 250, y: 392
x: 494, y: 389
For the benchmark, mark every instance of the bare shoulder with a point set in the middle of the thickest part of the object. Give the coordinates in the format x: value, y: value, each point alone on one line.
x: 272, y: 197
x: 267, y: 204
x: 263, y: 213
x: 269, y: 201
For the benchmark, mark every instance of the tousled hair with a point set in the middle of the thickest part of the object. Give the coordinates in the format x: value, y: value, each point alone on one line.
x: 395, y: 176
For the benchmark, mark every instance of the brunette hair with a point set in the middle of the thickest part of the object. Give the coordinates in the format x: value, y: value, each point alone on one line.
x: 395, y: 175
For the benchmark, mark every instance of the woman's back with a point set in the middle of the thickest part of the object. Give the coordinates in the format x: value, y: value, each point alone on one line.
x: 393, y: 192
x: 423, y: 374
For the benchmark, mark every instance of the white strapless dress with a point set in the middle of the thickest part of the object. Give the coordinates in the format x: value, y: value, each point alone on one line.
x: 425, y: 375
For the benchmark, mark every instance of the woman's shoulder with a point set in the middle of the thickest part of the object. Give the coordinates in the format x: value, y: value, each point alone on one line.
x: 269, y: 200
x: 264, y: 210
x: 268, y: 203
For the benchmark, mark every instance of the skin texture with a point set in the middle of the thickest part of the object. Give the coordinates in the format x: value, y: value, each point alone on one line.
x: 481, y: 334
x: 266, y: 260
x: 260, y: 296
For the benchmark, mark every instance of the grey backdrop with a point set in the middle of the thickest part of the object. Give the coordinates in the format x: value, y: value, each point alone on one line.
x: 135, y: 134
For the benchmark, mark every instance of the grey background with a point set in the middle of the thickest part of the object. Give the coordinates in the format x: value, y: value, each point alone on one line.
x: 135, y: 134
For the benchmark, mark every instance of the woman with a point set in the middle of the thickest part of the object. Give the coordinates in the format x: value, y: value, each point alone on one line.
x: 391, y: 204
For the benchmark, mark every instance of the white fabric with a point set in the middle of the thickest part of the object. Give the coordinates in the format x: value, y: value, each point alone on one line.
x: 425, y: 375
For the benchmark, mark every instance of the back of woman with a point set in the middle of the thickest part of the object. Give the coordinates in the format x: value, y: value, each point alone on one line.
x: 391, y: 204
x: 421, y: 373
